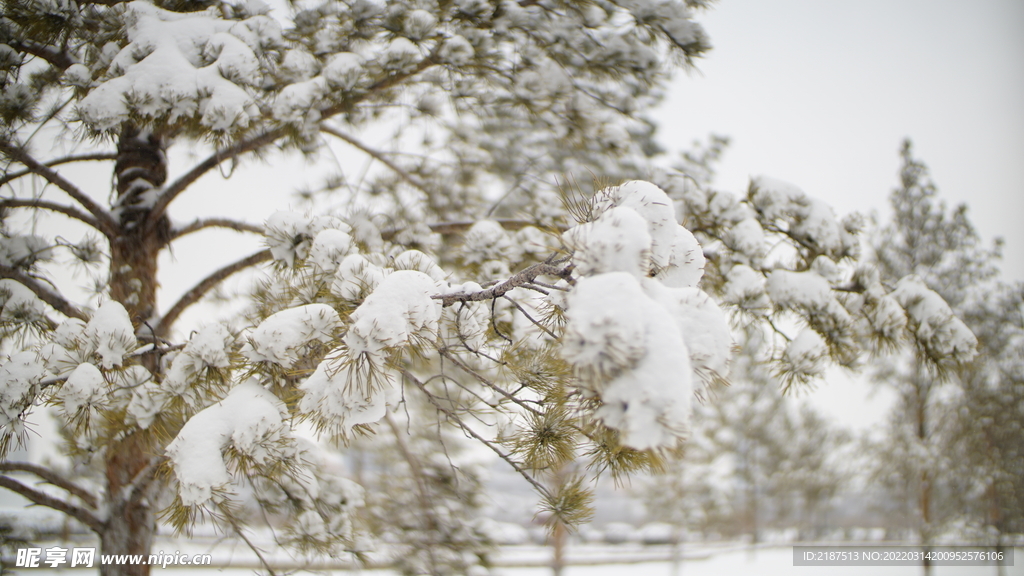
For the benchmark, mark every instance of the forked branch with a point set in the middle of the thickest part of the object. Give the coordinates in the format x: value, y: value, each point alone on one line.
x: 105, y: 222
x: 270, y: 136
x: 175, y: 188
x: 558, y: 268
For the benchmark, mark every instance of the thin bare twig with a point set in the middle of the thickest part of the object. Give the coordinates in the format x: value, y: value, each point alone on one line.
x: 486, y: 382
x: 376, y: 155
x: 465, y: 388
x: 426, y: 505
x: 533, y: 286
x: 259, y: 553
x: 454, y: 417
x: 494, y: 323
x: 530, y: 318
x: 549, y: 286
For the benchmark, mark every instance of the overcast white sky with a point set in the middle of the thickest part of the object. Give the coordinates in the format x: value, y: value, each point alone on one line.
x: 822, y: 93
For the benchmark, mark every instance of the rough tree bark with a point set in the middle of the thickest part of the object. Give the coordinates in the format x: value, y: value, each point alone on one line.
x: 140, y: 171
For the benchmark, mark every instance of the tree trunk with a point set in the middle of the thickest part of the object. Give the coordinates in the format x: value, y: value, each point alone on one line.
x: 677, y: 548
x: 558, y: 535
x: 131, y: 526
x: 140, y: 171
x: 922, y: 389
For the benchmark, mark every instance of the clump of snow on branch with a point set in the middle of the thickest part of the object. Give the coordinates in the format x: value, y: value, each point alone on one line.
x: 291, y: 235
x: 19, y: 304
x: 281, y: 336
x: 638, y: 332
x: 250, y: 420
x: 487, y: 241
x: 336, y: 393
x: 84, y: 387
x: 420, y: 262
x: 885, y: 317
x: 936, y: 327
x: 343, y: 70
x: 804, y: 357
x: 702, y: 324
x: 670, y: 251
x: 808, y: 220
x: 616, y: 241
x: 209, y: 347
x: 606, y: 330
x: 329, y: 248
x: 182, y: 66
x: 20, y: 376
x: 745, y: 288
x: 353, y: 385
x: 356, y: 277
x: 800, y: 290
x: 398, y: 310
x: 66, y: 350
x: 110, y: 334
x: 631, y: 356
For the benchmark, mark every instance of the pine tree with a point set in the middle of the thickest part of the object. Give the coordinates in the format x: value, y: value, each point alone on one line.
x: 943, y: 251
x: 987, y: 435
x: 582, y: 345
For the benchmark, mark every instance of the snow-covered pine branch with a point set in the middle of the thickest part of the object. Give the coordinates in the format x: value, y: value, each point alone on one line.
x: 634, y: 340
x: 579, y: 348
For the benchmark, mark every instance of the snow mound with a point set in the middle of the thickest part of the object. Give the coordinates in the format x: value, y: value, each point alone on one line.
x: 281, y: 336
x: 250, y: 420
x: 399, y: 309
